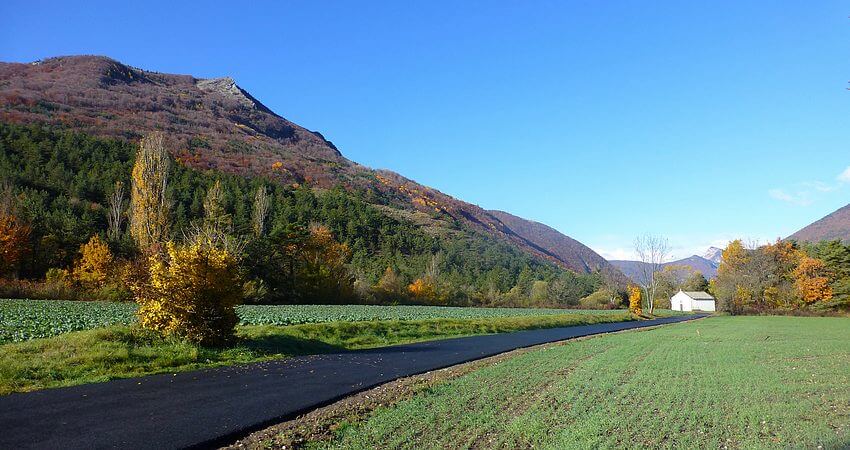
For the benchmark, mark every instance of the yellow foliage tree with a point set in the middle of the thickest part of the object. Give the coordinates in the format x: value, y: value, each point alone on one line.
x: 728, y: 285
x: 192, y: 293
x: 14, y: 243
x: 635, y: 299
x: 95, y: 263
x: 423, y: 288
x: 150, y: 208
x: 324, y: 274
x: 811, y: 280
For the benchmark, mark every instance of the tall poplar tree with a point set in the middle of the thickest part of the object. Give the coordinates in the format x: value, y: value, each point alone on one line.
x: 150, y: 207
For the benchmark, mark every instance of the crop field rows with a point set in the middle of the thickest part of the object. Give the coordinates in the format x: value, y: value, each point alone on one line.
x: 21, y: 320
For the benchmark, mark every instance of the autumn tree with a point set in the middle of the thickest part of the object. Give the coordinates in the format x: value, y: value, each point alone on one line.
x: 729, y: 285
x: 652, y: 250
x: 695, y: 282
x: 836, y: 258
x: 192, y: 293
x: 391, y: 282
x: 150, y: 206
x: 322, y: 267
x: 811, y: 280
x: 93, y: 267
x: 771, y: 272
x: 14, y: 244
x: 423, y: 289
x: 634, y: 299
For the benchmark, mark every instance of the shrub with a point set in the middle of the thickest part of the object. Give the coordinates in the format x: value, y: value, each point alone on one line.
x: 635, y: 300
x: 600, y: 299
x: 38, y: 290
x: 192, y: 293
x: 423, y: 289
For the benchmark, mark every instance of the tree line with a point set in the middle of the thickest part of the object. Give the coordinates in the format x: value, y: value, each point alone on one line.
x: 783, y: 276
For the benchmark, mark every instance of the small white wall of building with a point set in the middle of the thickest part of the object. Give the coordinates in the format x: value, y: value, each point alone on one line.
x: 704, y: 305
x: 681, y: 302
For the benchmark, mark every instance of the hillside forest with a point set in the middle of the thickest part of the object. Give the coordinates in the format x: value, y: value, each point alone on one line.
x: 81, y: 217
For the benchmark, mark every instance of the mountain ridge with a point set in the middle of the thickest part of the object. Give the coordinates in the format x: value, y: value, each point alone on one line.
x: 833, y: 226
x: 696, y: 263
x: 212, y: 123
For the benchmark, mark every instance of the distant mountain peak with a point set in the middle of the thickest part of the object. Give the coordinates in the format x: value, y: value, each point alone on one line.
x: 634, y: 269
x: 227, y: 87
x: 713, y: 254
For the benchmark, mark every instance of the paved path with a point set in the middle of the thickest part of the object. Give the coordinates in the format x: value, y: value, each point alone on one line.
x: 211, y: 407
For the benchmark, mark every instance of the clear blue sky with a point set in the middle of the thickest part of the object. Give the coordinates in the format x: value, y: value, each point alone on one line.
x: 702, y: 121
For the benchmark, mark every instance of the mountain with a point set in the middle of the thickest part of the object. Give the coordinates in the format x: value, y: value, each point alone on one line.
x: 215, y: 124
x: 707, y: 267
x: 713, y: 254
x: 835, y: 226
x: 574, y: 255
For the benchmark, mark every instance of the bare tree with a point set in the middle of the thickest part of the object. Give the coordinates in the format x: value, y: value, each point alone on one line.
x: 115, y: 215
x: 611, y: 283
x: 261, y: 211
x: 432, y: 271
x: 652, y: 251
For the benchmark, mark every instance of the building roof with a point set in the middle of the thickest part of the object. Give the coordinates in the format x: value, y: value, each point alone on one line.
x: 698, y: 295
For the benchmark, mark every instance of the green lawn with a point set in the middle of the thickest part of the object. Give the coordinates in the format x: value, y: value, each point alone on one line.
x: 723, y: 382
x: 121, y: 351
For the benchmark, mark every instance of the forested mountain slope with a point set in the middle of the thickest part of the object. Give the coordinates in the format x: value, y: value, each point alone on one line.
x: 835, y: 226
x: 214, y: 124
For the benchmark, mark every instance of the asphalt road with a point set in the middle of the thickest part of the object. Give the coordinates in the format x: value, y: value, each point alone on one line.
x: 213, y: 407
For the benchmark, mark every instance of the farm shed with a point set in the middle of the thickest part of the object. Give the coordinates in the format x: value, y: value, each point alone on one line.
x: 692, y: 301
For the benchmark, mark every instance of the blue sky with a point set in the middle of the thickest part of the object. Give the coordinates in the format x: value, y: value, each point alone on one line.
x: 701, y: 121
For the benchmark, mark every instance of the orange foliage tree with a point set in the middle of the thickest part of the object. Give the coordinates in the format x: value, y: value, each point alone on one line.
x: 14, y: 243
x: 423, y: 288
x: 811, y: 280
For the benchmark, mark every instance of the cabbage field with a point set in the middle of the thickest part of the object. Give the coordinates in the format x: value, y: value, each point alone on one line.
x: 22, y: 320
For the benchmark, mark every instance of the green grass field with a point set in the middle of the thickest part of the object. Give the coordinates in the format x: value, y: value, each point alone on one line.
x: 723, y: 382
x: 121, y: 351
x: 21, y: 320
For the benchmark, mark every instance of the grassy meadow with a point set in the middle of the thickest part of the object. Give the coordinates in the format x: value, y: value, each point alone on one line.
x: 120, y: 351
x: 723, y: 382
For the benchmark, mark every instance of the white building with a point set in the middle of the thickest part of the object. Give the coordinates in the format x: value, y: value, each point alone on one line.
x: 692, y: 301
